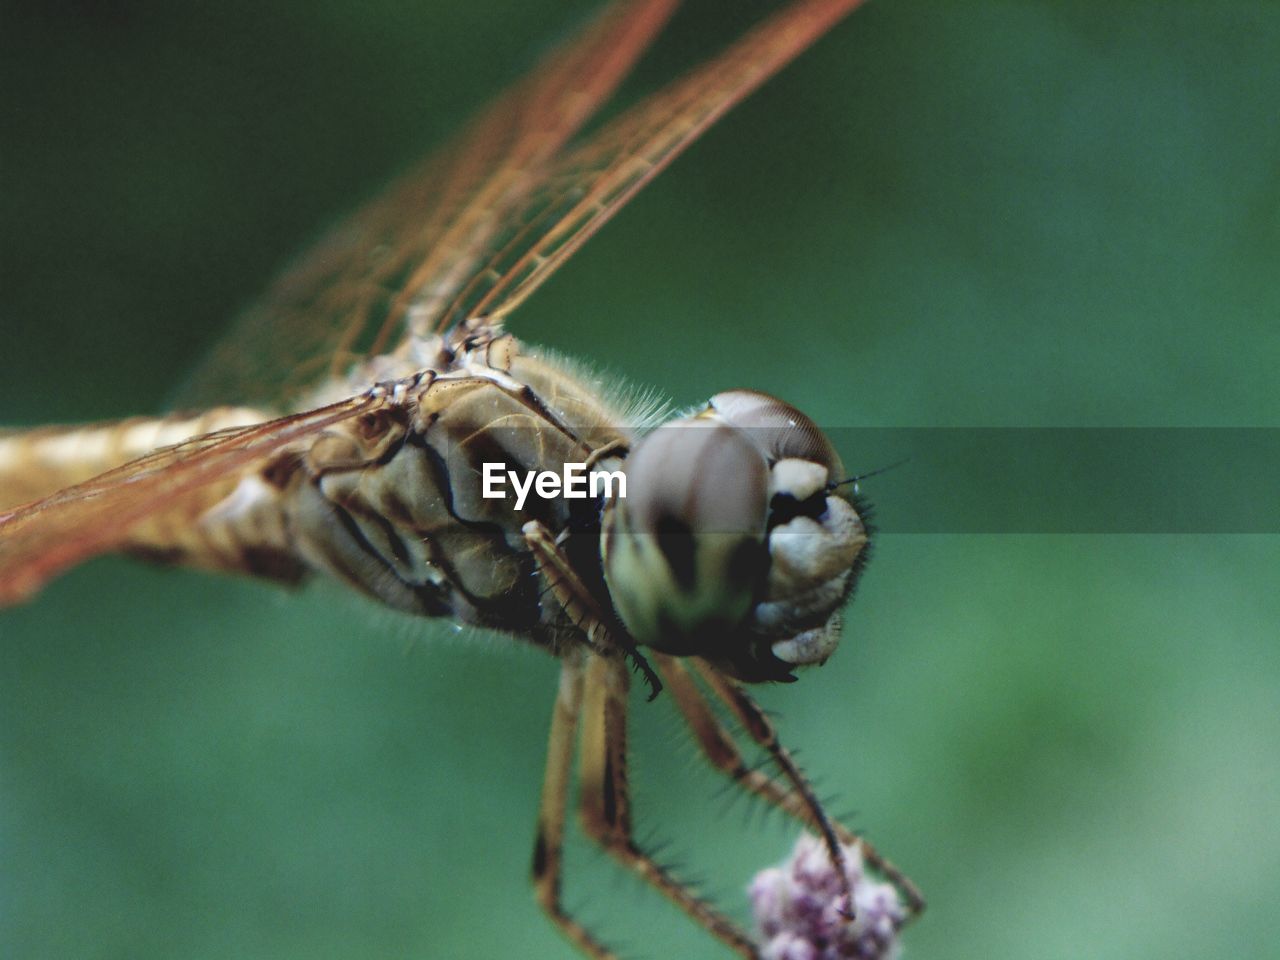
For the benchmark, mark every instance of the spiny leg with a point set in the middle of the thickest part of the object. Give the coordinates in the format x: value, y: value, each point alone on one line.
x: 548, y: 847
x: 717, y: 744
x: 606, y: 802
x: 798, y: 800
x: 796, y: 797
x: 761, y: 730
x: 579, y: 605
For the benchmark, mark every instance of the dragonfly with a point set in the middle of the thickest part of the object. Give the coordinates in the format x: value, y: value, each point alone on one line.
x: 349, y: 422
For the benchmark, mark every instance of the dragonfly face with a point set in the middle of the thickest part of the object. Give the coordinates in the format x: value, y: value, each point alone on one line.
x: 384, y: 350
x: 737, y: 544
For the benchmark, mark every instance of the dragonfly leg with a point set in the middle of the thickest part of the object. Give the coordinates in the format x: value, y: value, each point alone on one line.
x: 548, y: 845
x: 795, y: 796
x: 606, y: 800
x: 719, y: 748
x: 613, y: 448
x: 579, y: 605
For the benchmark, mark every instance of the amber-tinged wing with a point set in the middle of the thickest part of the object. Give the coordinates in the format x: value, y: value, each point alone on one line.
x: 389, y: 268
x: 469, y: 235
x: 593, y: 182
x: 41, y: 539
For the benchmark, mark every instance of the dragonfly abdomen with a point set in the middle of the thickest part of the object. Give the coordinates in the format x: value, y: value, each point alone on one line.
x: 218, y: 526
x: 35, y: 463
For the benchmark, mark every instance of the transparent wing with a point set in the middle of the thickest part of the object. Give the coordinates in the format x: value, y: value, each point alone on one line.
x: 585, y: 188
x: 41, y: 539
x: 469, y: 235
x: 388, y: 270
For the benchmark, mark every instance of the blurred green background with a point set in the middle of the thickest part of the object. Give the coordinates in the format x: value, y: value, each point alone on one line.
x: 946, y: 214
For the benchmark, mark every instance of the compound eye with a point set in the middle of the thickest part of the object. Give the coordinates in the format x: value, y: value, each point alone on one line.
x: 684, y: 551
x: 778, y: 428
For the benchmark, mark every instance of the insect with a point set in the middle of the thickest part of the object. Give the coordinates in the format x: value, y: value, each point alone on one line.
x: 377, y: 380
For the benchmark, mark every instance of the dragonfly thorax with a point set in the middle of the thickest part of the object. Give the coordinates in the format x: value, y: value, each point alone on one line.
x: 396, y: 503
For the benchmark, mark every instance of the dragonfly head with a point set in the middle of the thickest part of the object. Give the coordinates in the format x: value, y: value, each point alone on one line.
x: 736, y: 542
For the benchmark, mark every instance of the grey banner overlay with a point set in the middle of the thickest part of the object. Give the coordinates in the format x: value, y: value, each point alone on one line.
x: 1067, y: 480
x: 962, y: 480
